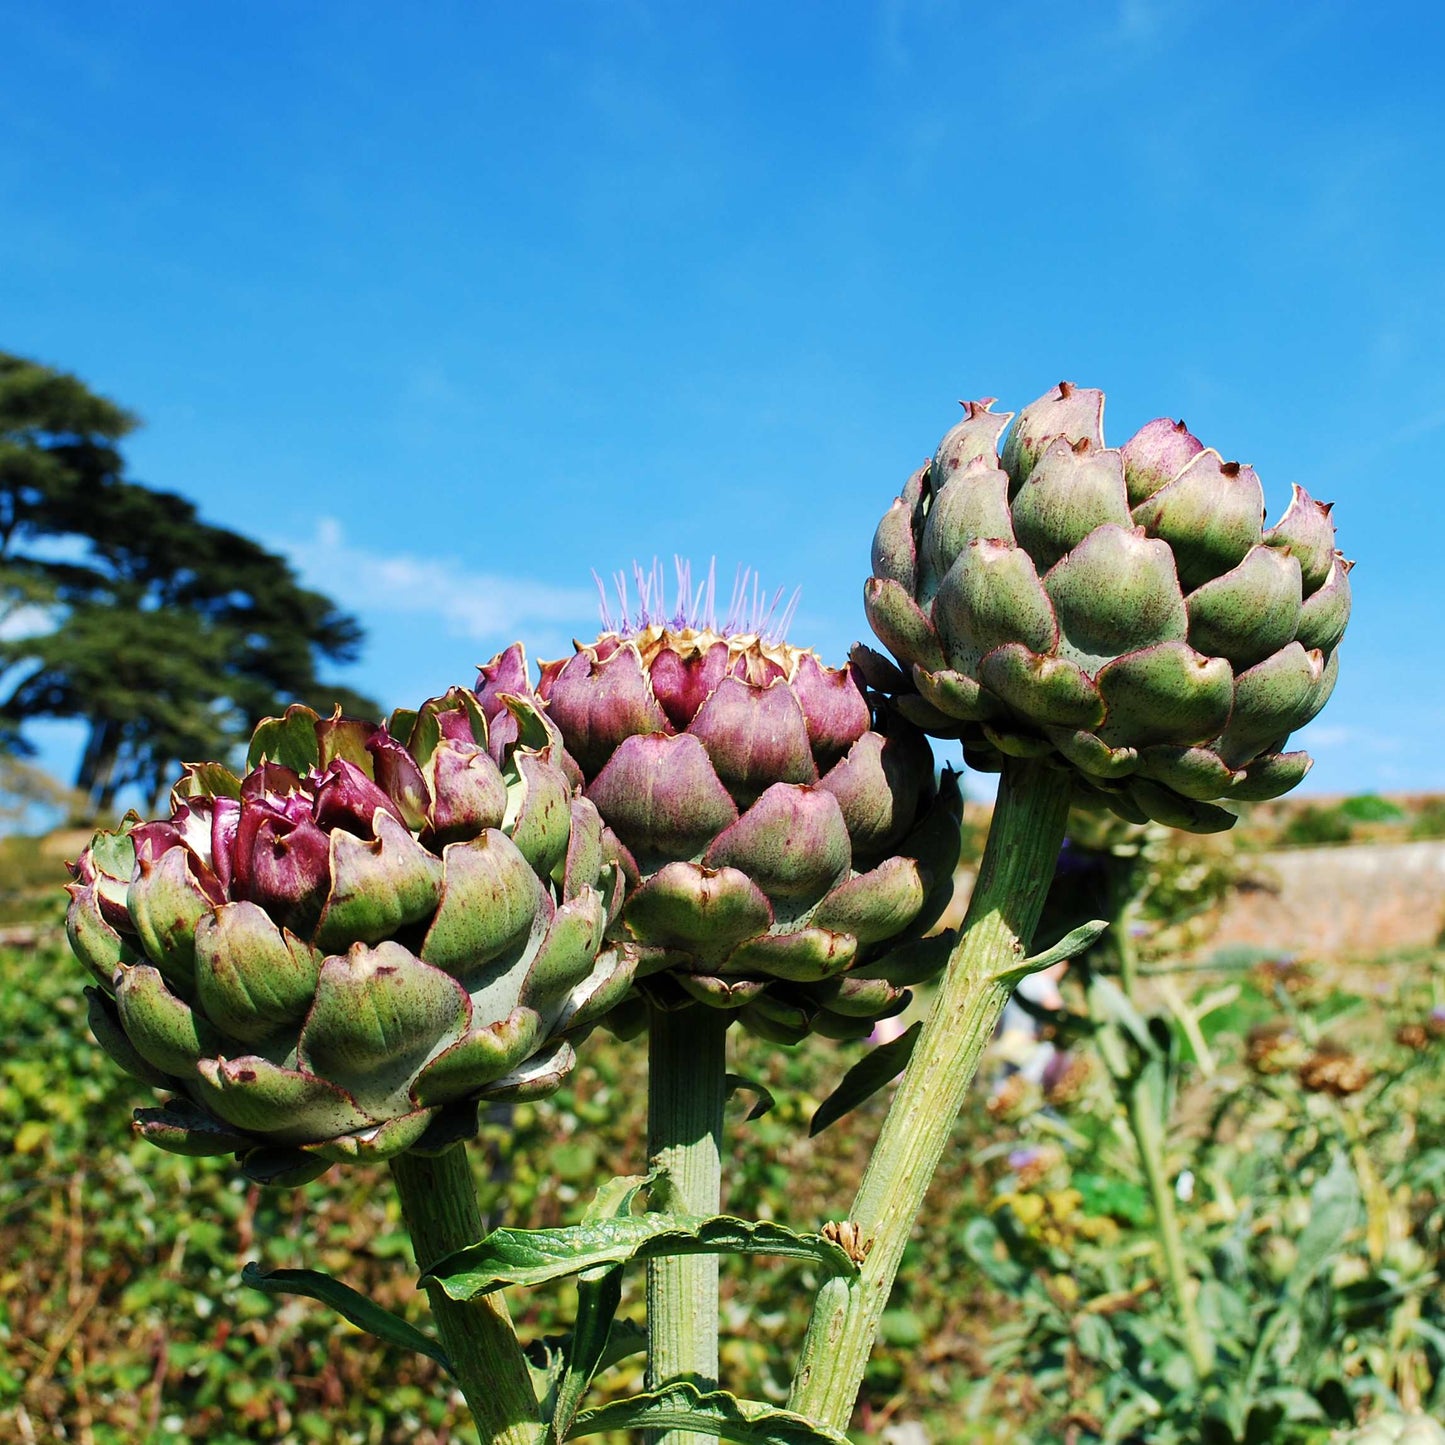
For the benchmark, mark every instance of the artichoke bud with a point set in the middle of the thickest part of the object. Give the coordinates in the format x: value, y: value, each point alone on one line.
x: 757, y: 797
x: 1126, y: 612
x: 337, y: 955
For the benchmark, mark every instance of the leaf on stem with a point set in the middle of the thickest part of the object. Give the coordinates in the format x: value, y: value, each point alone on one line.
x: 599, y: 1293
x: 1071, y: 945
x: 865, y: 1078
x: 763, y: 1099
x: 534, y: 1256
x: 350, y: 1304
x: 545, y: 1356
x: 682, y: 1406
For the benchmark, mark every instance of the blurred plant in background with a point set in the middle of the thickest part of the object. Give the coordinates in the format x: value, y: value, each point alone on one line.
x: 125, y: 1317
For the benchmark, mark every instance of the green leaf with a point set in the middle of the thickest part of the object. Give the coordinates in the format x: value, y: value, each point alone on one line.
x: 599, y: 1294
x: 534, y: 1256
x: 985, y: 1246
x: 1071, y: 945
x: 1335, y: 1209
x: 763, y: 1099
x: 614, y: 1199
x: 544, y: 1355
x: 1124, y: 1039
x: 546, y: 1359
x: 681, y: 1406
x: 350, y: 1304
x: 865, y: 1078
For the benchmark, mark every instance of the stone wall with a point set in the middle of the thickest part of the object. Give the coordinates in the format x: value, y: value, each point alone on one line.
x: 1342, y: 902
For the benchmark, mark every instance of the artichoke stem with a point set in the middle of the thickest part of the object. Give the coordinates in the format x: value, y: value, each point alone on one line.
x: 1148, y: 1127
x: 439, y: 1203
x: 686, y: 1090
x: 1148, y: 1131
x: 1018, y: 864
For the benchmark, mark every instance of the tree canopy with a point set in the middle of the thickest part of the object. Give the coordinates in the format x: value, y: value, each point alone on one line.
x: 168, y: 636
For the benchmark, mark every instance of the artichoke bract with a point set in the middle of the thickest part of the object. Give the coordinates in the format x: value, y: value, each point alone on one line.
x: 781, y: 828
x: 1123, y: 611
x: 337, y: 955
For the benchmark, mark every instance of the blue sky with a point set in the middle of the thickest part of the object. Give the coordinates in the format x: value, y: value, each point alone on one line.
x: 456, y: 302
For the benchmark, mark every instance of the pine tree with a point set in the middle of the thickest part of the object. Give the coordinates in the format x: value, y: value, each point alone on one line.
x: 168, y: 636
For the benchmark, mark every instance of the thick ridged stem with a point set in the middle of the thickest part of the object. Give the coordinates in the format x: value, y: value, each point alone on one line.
x: 439, y: 1203
x: 1018, y: 864
x: 686, y: 1091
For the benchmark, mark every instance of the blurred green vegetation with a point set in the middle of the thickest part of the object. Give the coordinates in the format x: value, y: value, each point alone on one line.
x: 1293, y: 822
x: 1029, y: 1307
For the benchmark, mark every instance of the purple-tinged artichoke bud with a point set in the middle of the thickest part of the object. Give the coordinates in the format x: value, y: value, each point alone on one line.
x: 341, y: 953
x: 771, y: 808
x: 1125, y: 613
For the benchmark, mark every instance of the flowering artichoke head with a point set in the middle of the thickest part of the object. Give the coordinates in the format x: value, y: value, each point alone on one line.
x: 338, y: 954
x: 780, y: 825
x: 1124, y: 612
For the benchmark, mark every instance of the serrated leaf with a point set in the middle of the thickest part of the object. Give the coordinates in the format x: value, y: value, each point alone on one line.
x: 763, y: 1100
x: 350, y: 1304
x: 865, y: 1078
x: 1071, y: 945
x: 534, y: 1256
x: 682, y: 1406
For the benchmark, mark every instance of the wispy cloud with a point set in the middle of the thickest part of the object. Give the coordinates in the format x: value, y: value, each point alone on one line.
x: 467, y: 604
x: 1322, y: 737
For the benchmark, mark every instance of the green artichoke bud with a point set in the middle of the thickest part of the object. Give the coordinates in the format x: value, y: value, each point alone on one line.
x: 1124, y: 612
x: 780, y: 825
x: 341, y: 953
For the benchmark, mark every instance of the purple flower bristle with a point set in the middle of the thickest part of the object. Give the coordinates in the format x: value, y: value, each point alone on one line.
x: 750, y: 612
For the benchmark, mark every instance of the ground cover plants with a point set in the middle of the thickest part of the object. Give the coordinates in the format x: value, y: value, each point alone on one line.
x: 125, y: 1319
x: 373, y: 941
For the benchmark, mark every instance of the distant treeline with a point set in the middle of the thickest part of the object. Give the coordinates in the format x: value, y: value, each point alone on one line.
x: 168, y: 636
